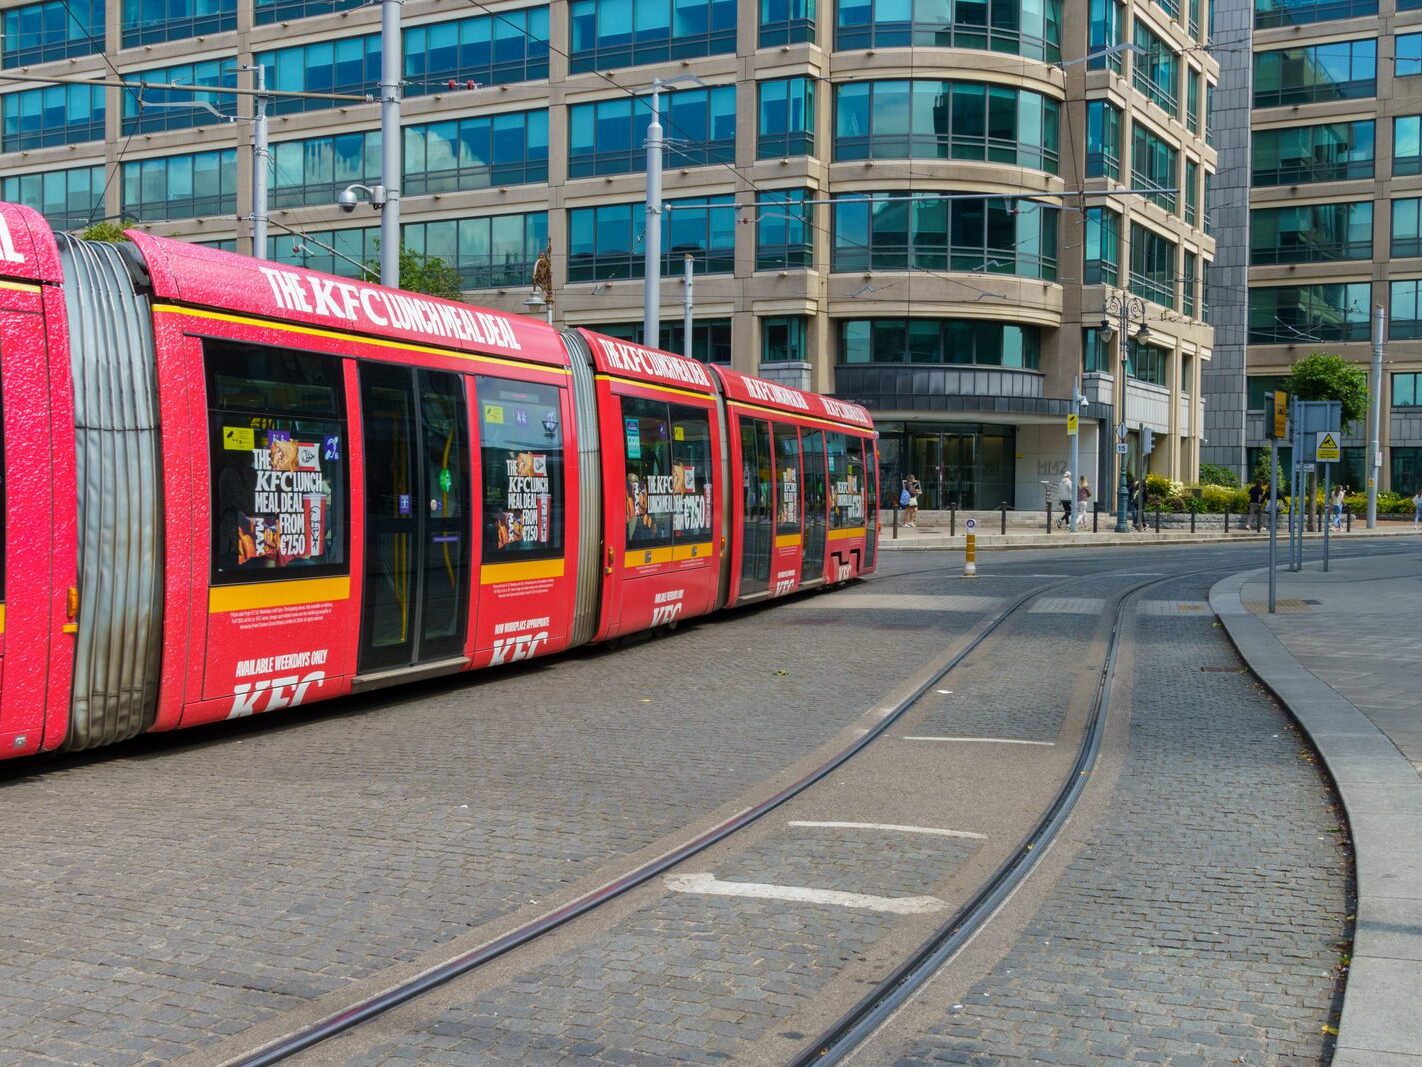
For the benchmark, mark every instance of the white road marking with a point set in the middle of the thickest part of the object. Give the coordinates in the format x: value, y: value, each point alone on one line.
x: 1068, y: 605
x: 986, y: 740
x: 946, y: 692
x: 710, y: 885
x: 893, y: 827
x: 902, y: 602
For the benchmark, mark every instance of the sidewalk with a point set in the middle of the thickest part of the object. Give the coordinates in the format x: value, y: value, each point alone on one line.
x: 1343, y: 653
x: 990, y: 537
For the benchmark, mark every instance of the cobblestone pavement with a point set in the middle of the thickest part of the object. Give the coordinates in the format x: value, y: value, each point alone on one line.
x: 1202, y: 920
x: 160, y: 897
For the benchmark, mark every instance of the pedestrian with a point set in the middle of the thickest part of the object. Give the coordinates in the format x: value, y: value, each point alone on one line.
x: 1336, y: 507
x: 1138, y: 503
x: 1256, y: 505
x: 1417, y: 507
x: 1083, y: 494
x: 904, y: 497
x: 914, y: 488
x: 1065, y: 493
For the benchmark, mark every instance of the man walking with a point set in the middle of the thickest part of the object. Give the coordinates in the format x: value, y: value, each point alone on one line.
x: 1256, y: 503
x: 1066, y: 492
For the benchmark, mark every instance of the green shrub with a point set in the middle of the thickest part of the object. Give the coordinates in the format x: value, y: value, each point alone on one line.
x: 1159, y: 487
x: 1214, y: 474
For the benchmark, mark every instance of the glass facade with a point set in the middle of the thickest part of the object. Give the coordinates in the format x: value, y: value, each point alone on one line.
x: 784, y: 235
x: 605, y: 242
x: 152, y: 21
x: 626, y: 33
x: 786, y: 22
x: 314, y: 171
x: 787, y: 118
x: 511, y: 46
x: 1157, y: 70
x: 1407, y: 145
x: 1343, y: 70
x: 343, y: 252
x: 945, y: 120
x: 959, y: 342
x: 710, y: 338
x: 1103, y: 140
x: 1406, y: 228
x: 1152, y: 266
x: 1405, y: 310
x: 609, y: 136
x: 1297, y: 155
x: 1188, y: 280
x: 782, y: 339
x: 181, y: 187
x: 55, y: 29
x: 1147, y: 363
x: 1102, y: 259
x: 1031, y: 28
x: 151, y: 110
x: 268, y: 11
x: 884, y: 231
x: 349, y: 65
x: 1306, y: 314
x: 1271, y: 13
x: 68, y: 199
x: 1408, y: 61
x: 1312, y: 233
x: 1105, y: 28
x: 55, y: 114
x: 480, y: 152
x: 494, y: 251
x: 1407, y: 390
x: 1154, y: 163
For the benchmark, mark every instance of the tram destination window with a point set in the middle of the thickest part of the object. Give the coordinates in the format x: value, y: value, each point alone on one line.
x: 521, y: 456
x: 846, y: 479
x: 277, y: 430
x: 668, y: 479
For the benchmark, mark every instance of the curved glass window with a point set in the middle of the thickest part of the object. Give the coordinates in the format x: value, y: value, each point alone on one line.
x: 946, y: 120
x: 1031, y: 28
x: 784, y: 230
x: 786, y: 22
x: 787, y: 118
x: 899, y: 231
x: 959, y: 342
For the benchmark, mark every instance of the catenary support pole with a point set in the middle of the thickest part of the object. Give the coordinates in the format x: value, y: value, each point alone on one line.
x: 652, y: 229
x: 261, y: 163
x: 1076, y: 452
x: 1273, y: 521
x: 1375, y: 438
x: 391, y: 55
x: 1327, y: 510
x: 689, y: 263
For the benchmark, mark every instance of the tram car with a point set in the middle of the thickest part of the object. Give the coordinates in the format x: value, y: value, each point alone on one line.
x: 229, y: 487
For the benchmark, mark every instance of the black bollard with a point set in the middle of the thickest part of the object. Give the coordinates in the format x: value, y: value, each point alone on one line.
x: 1192, y: 522
x: 1049, y: 519
x: 1004, y: 519
x: 1157, y: 518
x: 896, y: 523
x: 1226, y: 528
x: 953, y: 519
x: 1095, y: 516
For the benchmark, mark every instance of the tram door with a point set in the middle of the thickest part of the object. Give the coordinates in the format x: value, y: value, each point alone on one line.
x: 417, y: 517
x: 812, y: 564
x: 757, y: 535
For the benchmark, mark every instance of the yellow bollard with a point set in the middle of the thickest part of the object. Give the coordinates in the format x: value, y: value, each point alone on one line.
x: 970, y: 564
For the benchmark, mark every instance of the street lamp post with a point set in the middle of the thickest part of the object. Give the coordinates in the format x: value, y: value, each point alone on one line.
x: 652, y: 232
x: 1127, y: 309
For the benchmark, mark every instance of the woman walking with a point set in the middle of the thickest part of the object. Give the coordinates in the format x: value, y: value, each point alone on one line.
x: 1083, y: 494
x: 1417, y: 507
x: 914, y: 489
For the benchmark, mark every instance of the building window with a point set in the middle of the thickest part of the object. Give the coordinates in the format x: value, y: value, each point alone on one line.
x: 1192, y: 192
x: 1106, y: 19
x: 482, y: 152
x: 1406, y: 469
x: 351, y: 253
x: 784, y: 231
x: 1308, y: 314
x: 1407, y: 145
x: 1210, y: 113
x: 609, y: 136
x: 1187, y: 285
x: 1103, y: 247
x: 152, y: 21
x: 626, y: 33
x: 1407, y: 390
x: 787, y: 118
x: 1405, y: 312
x: 497, y: 251
x: 68, y: 199
x: 1409, y: 55
x: 1209, y: 218
x: 710, y: 338
x: 1147, y: 363
x: 181, y: 187
x: 1343, y: 70
x: 1258, y: 389
x: 1103, y: 140
x: 1157, y: 70
x: 1192, y: 100
x: 174, y: 114
x: 56, y: 29
x: 1152, y: 266
x: 945, y: 120
x: 1312, y: 233
x: 314, y: 171
x: 349, y: 65
x: 1297, y: 155
x: 783, y: 339
x: 1095, y: 352
x: 1406, y: 228
x: 269, y: 11
x: 1030, y: 28
x: 889, y: 231
x: 959, y: 342
x: 1153, y: 166
x: 1271, y: 13
x: 1206, y: 266
x: 605, y: 242
x: 1171, y: 8
x: 511, y: 46
x: 56, y: 114
x: 786, y: 22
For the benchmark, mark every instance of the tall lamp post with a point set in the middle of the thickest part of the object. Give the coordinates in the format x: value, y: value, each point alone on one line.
x: 1127, y: 309
x: 652, y: 233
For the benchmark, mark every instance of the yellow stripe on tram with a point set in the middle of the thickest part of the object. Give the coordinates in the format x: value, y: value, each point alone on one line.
x: 224, y: 598
x: 495, y: 573
x: 845, y: 534
x: 788, y: 541
x: 2, y: 618
x: 644, y: 557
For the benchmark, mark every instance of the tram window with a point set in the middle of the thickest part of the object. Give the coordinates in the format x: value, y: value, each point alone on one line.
x: 787, y: 479
x: 668, y: 477
x: 846, y: 478
x: 521, y: 455
x: 757, y: 478
x: 277, y: 427
x: 812, y: 563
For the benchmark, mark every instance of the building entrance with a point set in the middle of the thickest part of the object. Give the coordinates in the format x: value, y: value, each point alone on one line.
x: 968, y: 469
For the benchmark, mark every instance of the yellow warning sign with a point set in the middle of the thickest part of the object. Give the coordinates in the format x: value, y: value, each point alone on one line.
x: 238, y: 438
x: 1328, y: 450
x: 1071, y: 425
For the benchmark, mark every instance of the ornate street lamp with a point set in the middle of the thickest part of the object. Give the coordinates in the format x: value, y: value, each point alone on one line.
x: 1128, y: 309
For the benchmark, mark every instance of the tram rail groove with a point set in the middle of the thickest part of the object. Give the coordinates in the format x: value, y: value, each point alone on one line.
x: 307, y: 1037
x: 845, y: 1036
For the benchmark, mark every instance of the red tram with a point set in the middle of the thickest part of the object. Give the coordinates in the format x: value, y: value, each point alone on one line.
x: 229, y: 487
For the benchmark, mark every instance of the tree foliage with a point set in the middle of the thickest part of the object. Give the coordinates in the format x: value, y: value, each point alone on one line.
x: 422, y: 274
x: 1324, y: 376
x: 1261, y: 472
x: 112, y: 232
x: 1214, y: 474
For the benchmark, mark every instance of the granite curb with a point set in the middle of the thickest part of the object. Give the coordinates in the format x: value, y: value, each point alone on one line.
x: 992, y: 541
x: 1382, y: 794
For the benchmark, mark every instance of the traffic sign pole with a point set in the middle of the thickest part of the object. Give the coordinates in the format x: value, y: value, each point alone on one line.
x: 1273, y: 520
x: 1327, y: 510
